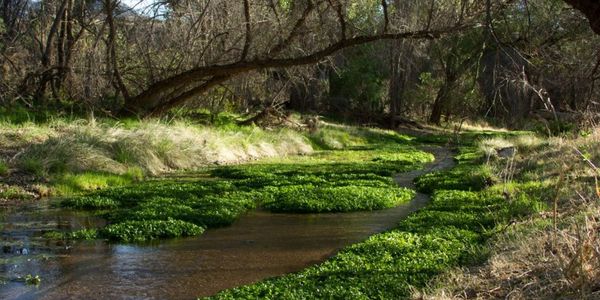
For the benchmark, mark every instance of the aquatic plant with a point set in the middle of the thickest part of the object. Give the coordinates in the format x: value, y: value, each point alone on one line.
x: 308, y: 198
x: 451, y: 231
x: 32, y: 280
x: 140, y: 231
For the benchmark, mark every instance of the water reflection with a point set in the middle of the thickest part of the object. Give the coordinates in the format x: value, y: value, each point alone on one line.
x: 259, y: 245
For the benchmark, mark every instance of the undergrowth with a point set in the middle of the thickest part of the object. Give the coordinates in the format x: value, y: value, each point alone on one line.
x: 451, y: 231
x: 329, y: 181
x: 551, y: 255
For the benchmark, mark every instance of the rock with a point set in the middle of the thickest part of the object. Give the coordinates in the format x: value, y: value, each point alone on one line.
x: 507, y: 152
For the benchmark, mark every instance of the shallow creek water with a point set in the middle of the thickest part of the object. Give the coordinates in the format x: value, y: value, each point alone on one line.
x: 259, y: 245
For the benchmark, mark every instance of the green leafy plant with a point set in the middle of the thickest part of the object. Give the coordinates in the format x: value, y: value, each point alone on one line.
x: 32, y: 280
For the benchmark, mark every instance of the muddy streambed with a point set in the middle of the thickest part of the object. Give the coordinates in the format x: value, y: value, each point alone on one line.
x: 259, y: 245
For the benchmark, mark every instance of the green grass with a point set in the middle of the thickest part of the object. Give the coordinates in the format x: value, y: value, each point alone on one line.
x: 3, y: 168
x: 12, y: 192
x: 69, y: 184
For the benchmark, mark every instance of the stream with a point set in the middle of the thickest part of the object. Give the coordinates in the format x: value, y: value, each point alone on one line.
x: 257, y: 246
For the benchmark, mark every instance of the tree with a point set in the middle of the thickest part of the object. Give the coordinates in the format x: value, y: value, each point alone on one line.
x: 591, y: 9
x: 330, y: 26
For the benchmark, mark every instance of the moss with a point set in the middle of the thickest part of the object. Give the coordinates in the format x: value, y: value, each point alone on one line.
x: 69, y: 184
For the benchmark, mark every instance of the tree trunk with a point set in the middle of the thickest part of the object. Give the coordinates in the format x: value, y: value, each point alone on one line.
x: 117, y: 80
x: 438, y: 106
x: 177, y: 89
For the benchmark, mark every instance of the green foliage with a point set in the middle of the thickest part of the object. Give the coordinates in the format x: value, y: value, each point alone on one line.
x: 32, y: 280
x: 18, y: 114
x: 93, y: 202
x: 3, y: 168
x: 451, y: 231
x: 84, y: 234
x: 554, y: 127
x: 360, y: 84
x: 330, y: 139
x: 140, y: 231
x: 204, y: 203
x: 81, y: 234
x: 468, y: 177
x: 88, y: 181
x: 13, y: 192
x: 328, y: 181
x: 308, y: 198
x: 32, y: 165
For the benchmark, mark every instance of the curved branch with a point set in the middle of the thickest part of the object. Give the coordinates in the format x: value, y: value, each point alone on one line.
x: 152, y: 98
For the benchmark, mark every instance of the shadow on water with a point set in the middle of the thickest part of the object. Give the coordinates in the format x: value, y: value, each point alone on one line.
x: 257, y: 246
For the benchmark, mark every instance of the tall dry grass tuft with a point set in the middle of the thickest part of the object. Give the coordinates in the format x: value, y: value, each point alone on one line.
x: 152, y: 146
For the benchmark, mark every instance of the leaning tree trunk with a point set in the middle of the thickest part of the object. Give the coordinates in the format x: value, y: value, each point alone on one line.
x: 176, y: 90
x: 439, y: 104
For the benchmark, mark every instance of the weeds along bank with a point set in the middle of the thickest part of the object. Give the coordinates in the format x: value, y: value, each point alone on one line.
x: 63, y: 157
x: 554, y: 254
x: 80, y: 155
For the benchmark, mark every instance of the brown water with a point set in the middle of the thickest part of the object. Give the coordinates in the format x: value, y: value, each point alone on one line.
x: 259, y: 245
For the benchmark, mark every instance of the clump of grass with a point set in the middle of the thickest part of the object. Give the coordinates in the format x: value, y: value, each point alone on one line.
x: 491, y: 146
x: 152, y: 147
x: 81, y: 234
x: 90, y: 203
x: 12, y: 192
x: 32, y: 280
x: 330, y: 139
x: 32, y: 165
x: 69, y: 184
x: 338, y: 137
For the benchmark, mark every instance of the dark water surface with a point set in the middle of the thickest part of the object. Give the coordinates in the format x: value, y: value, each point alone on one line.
x: 259, y: 245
